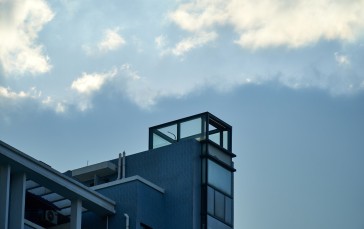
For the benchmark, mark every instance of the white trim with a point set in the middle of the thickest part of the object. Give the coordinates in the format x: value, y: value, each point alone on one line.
x: 76, y: 214
x: 129, y: 179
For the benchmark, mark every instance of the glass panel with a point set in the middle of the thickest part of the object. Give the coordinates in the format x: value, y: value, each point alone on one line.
x: 213, y: 151
x: 228, y: 210
x: 210, y: 200
x: 191, y: 128
x: 219, y: 205
x: 159, y: 142
x: 170, y: 131
x: 213, y: 223
x: 219, y: 177
x: 225, y: 140
x: 211, y: 127
x: 215, y: 138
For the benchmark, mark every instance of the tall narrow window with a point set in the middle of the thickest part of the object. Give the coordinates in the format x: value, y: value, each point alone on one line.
x: 219, y: 205
x: 210, y: 200
x: 228, y: 210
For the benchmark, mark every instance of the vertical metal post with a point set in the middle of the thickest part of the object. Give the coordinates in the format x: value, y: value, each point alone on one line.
x: 76, y: 214
x: 17, y: 201
x: 178, y: 131
x: 124, y: 169
x: 4, y: 195
x: 150, y: 142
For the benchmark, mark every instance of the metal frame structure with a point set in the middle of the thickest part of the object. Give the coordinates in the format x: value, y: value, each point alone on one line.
x: 210, y: 125
x: 20, y: 173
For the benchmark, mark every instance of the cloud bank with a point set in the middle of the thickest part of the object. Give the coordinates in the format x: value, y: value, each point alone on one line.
x: 261, y: 24
x: 20, y: 23
x: 124, y: 80
x: 286, y: 39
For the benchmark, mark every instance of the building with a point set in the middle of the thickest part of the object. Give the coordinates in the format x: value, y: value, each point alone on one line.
x: 183, y: 181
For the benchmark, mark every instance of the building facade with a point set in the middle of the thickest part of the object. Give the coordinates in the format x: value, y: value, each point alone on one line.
x: 185, y: 180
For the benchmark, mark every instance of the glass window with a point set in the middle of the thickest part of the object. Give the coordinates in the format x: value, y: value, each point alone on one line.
x: 211, y: 127
x: 219, y: 177
x: 215, y: 138
x: 170, y: 131
x: 225, y: 140
x: 159, y: 142
x: 210, y: 200
x: 219, y: 205
x: 219, y: 154
x: 191, y: 128
x: 213, y: 223
x: 228, y: 210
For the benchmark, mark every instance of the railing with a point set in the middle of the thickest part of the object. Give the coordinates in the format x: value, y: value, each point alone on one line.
x: 204, y: 126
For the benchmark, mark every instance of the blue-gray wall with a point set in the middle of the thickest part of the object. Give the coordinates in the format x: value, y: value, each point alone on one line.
x: 175, y: 168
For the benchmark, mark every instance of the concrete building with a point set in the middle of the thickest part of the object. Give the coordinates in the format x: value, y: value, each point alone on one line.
x: 184, y: 181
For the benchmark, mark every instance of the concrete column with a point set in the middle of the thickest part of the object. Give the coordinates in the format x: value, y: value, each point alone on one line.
x: 76, y: 214
x: 4, y: 195
x: 17, y: 201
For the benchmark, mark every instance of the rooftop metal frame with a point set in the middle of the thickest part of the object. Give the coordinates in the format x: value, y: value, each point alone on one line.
x: 208, y: 121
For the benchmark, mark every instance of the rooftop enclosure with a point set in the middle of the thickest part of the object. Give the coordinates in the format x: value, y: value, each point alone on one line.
x: 204, y: 126
x: 217, y: 167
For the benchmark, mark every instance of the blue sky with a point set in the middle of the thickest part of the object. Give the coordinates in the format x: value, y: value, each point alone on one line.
x: 82, y: 81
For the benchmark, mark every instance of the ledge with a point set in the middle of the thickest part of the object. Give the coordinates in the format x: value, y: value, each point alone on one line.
x: 129, y: 179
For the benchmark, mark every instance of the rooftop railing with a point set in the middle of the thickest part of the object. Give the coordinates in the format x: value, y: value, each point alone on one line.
x: 204, y: 126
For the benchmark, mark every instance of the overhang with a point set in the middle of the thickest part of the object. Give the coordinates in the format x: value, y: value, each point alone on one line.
x: 51, y: 179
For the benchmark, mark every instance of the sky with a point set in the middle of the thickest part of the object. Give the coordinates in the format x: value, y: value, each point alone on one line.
x: 82, y: 81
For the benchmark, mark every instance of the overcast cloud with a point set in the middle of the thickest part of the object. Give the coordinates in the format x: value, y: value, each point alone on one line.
x: 277, y: 22
x: 221, y: 45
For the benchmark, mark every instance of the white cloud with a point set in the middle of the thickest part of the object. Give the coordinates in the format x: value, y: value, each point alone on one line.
x: 15, y: 100
x: 124, y: 80
x: 9, y: 94
x: 110, y: 41
x: 57, y: 106
x: 20, y: 23
x: 89, y: 83
x: 86, y: 86
x: 276, y: 22
x: 187, y: 44
x: 193, y: 42
x: 341, y: 59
